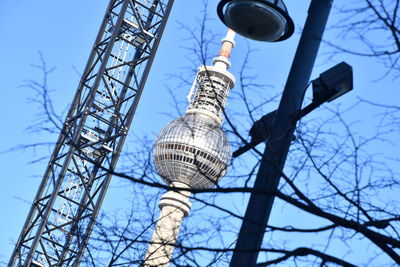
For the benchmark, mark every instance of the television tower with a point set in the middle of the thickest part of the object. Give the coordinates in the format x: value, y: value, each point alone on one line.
x: 69, y: 198
x: 192, y: 151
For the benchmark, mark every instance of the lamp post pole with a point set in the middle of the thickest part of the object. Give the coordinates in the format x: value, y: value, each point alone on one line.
x: 259, y: 207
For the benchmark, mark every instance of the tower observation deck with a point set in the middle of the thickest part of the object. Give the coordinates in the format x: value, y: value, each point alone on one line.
x: 68, y: 200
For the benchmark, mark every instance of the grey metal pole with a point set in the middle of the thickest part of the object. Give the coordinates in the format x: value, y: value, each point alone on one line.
x: 259, y: 207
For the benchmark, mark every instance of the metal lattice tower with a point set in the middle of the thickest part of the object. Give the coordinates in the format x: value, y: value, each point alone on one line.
x: 67, y: 203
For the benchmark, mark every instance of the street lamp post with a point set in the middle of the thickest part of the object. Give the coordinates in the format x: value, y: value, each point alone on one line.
x: 275, y: 153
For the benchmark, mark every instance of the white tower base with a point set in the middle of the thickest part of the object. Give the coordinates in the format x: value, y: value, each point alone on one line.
x: 174, y: 206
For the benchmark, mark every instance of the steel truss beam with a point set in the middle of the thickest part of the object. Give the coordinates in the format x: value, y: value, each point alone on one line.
x: 70, y: 195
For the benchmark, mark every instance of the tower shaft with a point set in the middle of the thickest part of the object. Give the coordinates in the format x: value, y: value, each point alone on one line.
x: 174, y: 205
x: 73, y: 187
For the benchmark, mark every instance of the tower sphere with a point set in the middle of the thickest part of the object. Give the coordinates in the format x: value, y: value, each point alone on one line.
x: 192, y: 149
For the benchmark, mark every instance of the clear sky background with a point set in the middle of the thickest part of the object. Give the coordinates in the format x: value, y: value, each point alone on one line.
x: 64, y: 31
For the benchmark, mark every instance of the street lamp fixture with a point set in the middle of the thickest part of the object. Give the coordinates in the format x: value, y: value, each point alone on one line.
x: 333, y: 83
x: 330, y: 85
x: 261, y: 20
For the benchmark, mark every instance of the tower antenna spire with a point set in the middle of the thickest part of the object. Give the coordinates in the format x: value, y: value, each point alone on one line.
x: 224, y: 54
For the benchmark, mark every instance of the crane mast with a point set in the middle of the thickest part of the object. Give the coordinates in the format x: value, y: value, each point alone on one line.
x: 63, y: 213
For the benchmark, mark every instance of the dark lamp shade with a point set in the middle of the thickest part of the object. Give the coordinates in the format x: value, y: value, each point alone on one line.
x: 333, y: 83
x: 260, y: 20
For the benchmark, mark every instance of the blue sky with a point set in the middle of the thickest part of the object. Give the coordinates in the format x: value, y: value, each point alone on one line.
x: 64, y: 31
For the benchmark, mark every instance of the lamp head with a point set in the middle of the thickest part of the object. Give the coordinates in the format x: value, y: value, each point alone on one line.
x: 261, y: 20
x: 333, y: 83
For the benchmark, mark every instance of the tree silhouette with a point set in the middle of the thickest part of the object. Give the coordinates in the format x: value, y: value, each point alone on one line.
x: 338, y: 192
